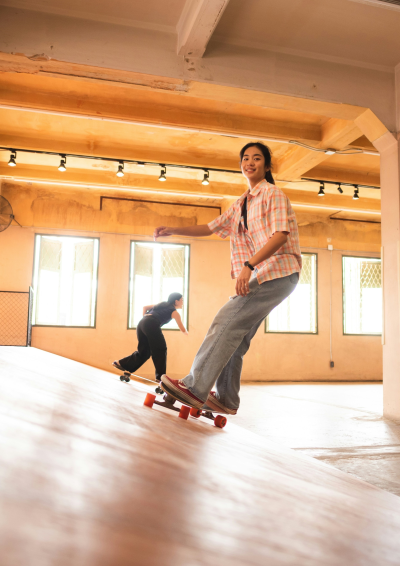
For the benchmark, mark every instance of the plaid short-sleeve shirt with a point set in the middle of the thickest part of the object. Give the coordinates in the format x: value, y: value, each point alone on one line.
x: 268, y: 211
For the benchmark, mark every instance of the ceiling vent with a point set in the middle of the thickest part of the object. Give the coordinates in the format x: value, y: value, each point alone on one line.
x: 390, y: 4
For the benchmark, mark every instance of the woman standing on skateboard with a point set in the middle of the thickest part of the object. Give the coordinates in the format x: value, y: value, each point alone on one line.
x: 151, y: 341
x: 266, y: 262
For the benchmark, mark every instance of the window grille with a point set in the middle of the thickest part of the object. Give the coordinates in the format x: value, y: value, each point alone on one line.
x: 65, y: 280
x: 156, y: 271
x: 362, y: 295
x: 50, y: 258
x: 144, y: 261
x: 298, y: 313
x: 173, y: 262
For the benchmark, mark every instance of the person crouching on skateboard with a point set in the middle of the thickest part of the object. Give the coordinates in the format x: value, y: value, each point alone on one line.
x: 266, y: 262
x: 151, y: 341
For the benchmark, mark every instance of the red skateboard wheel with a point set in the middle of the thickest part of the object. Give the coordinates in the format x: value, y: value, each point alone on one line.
x: 220, y: 421
x: 196, y: 413
x: 184, y: 412
x: 148, y: 402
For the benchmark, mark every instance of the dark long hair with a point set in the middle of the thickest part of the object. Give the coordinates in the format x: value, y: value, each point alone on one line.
x: 267, y: 156
x: 170, y: 302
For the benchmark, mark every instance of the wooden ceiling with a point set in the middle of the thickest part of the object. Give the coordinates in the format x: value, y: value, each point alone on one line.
x: 75, y: 109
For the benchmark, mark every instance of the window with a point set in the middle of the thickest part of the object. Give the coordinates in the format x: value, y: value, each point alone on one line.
x: 156, y: 271
x: 298, y: 313
x: 65, y: 280
x: 362, y: 295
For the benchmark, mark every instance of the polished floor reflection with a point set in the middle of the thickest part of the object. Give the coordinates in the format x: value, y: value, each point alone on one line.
x: 91, y: 476
x: 340, y: 424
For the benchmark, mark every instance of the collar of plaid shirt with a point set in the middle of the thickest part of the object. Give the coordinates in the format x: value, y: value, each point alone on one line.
x: 253, y: 191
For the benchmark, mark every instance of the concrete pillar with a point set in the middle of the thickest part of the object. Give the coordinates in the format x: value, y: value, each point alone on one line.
x: 388, y: 145
x: 397, y: 87
x: 390, y: 189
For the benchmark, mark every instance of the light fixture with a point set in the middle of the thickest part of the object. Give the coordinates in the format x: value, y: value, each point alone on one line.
x: 206, y: 179
x: 63, y: 163
x: 13, y: 157
x: 206, y: 172
x: 163, y: 173
x: 120, y: 172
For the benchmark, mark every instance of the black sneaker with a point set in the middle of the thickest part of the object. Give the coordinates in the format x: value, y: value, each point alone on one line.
x: 118, y: 366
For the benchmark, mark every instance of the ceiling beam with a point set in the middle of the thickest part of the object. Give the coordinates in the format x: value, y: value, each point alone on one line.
x: 101, y: 100
x: 336, y: 134
x: 20, y: 64
x: 221, y: 194
x: 356, y: 177
x: 371, y: 126
x: 81, y: 179
x: 306, y: 199
x: 196, y: 25
x: 103, y: 96
x: 222, y: 186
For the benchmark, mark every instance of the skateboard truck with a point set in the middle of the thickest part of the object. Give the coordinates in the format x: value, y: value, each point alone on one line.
x: 127, y: 377
x: 168, y: 402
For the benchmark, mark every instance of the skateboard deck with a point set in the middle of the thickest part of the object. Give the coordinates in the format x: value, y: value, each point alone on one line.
x: 184, y: 411
x: 127, y: 376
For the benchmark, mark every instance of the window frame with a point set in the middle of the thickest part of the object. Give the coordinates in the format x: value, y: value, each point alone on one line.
x: 33, y: 277
x: 358, y: 257
x: 187, y: 286
x: 266, y: 331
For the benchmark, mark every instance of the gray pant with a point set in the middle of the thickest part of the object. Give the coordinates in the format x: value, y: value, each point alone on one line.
x: 220, y: 357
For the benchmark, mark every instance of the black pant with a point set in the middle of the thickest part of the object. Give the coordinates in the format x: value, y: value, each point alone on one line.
x: 151, y: 343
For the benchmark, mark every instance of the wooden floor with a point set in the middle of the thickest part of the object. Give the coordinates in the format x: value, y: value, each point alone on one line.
x: 89, y: 476
x: 339, y: 423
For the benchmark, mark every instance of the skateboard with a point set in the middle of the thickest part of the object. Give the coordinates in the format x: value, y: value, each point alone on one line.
x: 127, y: 376
x: 184, y: 411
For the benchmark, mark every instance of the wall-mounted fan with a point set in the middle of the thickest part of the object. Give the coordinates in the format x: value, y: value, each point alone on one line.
x: 6, y: 214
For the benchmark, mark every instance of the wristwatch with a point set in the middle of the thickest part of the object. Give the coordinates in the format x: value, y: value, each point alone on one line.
x: 247, y: 264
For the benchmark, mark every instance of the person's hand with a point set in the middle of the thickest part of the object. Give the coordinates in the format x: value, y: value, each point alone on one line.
x: 162, y: 231
x: 242, y: 282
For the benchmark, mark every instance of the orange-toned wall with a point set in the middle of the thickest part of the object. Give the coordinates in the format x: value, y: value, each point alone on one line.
x: 271, y: 357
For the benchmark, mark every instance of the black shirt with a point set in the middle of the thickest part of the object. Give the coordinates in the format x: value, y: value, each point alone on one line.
x: 162, y: 313
x: 244, y: 213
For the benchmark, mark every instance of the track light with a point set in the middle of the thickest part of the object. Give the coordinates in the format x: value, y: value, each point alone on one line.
x: 13, y: 157
x: 163, y: 173
x: 206, y: 180
x: 120, y: 172
x: 63, y: 163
